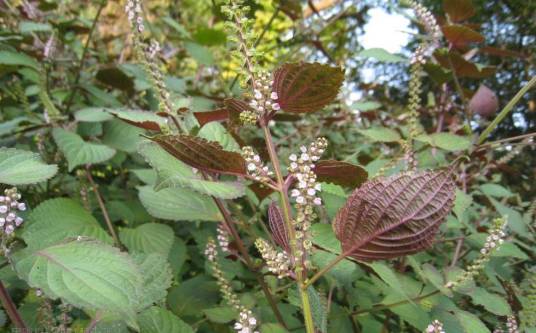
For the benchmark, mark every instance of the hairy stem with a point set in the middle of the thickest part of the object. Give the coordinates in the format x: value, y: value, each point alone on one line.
x: 11, y: 309
x: 285, y: 204
x: 102, y: 207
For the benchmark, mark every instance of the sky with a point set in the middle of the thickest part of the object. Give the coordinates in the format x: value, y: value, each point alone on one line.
x: 385, y: 30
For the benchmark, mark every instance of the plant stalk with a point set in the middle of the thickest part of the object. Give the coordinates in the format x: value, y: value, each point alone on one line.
x: 242, y: 249
x: 506, y: 110
x: 306, y: 306
x: 325, y: 269
x: 11, y: 309
x: 102, y: 206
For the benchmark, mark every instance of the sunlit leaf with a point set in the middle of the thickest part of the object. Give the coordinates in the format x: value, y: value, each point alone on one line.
x: 381, y: 55
x: 306, y: 87
x: 395, y: 216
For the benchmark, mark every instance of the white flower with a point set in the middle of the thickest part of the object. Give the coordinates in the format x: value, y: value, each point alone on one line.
x: 273, y: 95
x: 317, y: 201
x: 276, y: 106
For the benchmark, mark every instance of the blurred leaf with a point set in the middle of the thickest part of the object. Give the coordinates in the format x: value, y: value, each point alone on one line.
x: 78, y: 152
x: 192, y: 296
x: 470, y: 322
x: 18, y: 59
x: 201, y: 54
x: 462, y: 67
x: 148, y: 238
x: 381, y: 134
x: 27, y: 27
x: 306, y: 87
x: 461, y: 203
x: 495, y: 190
x: 366, y: 106
x: 178, y: 204
x: 340, y: 173
x: 121, y: 135
x: 92, y: 114
x: 221, y: 315
x: 160, y: 320
x: 447, y: 141
x: 461, y: 35
x: 114, y: 77
x: 459, y: 10
x: 381, y: 55
x: 20, y: 167
x: 143, y: 119
x: 209, y: 37
x: 492, y: 302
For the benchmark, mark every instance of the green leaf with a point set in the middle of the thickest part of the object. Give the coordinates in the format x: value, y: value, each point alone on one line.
x: 172, y: 173
x: 515, y: 220
x: 495, y: 190
x: 20, y: 167
x: 381, y: 134
x: 192, y: 296
x: 143, y: 119
x: 436, y: 278
x: 447, y: 141
x: 470, y: 322
x: 461, y: 203
x: 87, y: 274
x: 324, y: 237
x: 492, y: 302
x: 318, y: 310
x: 381, y: 55
x: 221, y: 315
x: 57, y: 219
x: 272, y: 328
x: 27, y: 27
x: 157, y: 277
x: 93, y: 115
x: 18, y: 59
x: 159, y: 320
x: 366, y: 106
x: 122, y: 136
x: 201, y: 54
x: 178, y: 204
x: 389, y: 277
x: 148, y: 238
x: 78, y: 152
x: 215, y: 131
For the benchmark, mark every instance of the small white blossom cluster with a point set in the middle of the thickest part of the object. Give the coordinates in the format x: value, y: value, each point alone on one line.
x: 246, y: 322
x: 255, y: 166
x: 211, y: 251
x: 435, y: 327
x: 134, y: 14
x: 511, y: 324
x: 264, y: 100
x: 305, y: 193
x: 431, y: 27
x: 153, y: 49
x: 9, y: 206
x: 277, y: 262
x: 493, y: 241
x: 223, y: 238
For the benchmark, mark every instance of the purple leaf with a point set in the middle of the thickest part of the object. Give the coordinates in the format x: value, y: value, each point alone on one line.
x: 395, y: 216
x: 277, y: 226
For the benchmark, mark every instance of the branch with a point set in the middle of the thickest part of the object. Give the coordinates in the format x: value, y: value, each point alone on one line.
x: 11, y: 309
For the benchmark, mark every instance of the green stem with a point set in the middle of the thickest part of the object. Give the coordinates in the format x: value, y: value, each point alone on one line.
x: 506, y: 110
x: 324, y: 270
x: 306, y: 306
